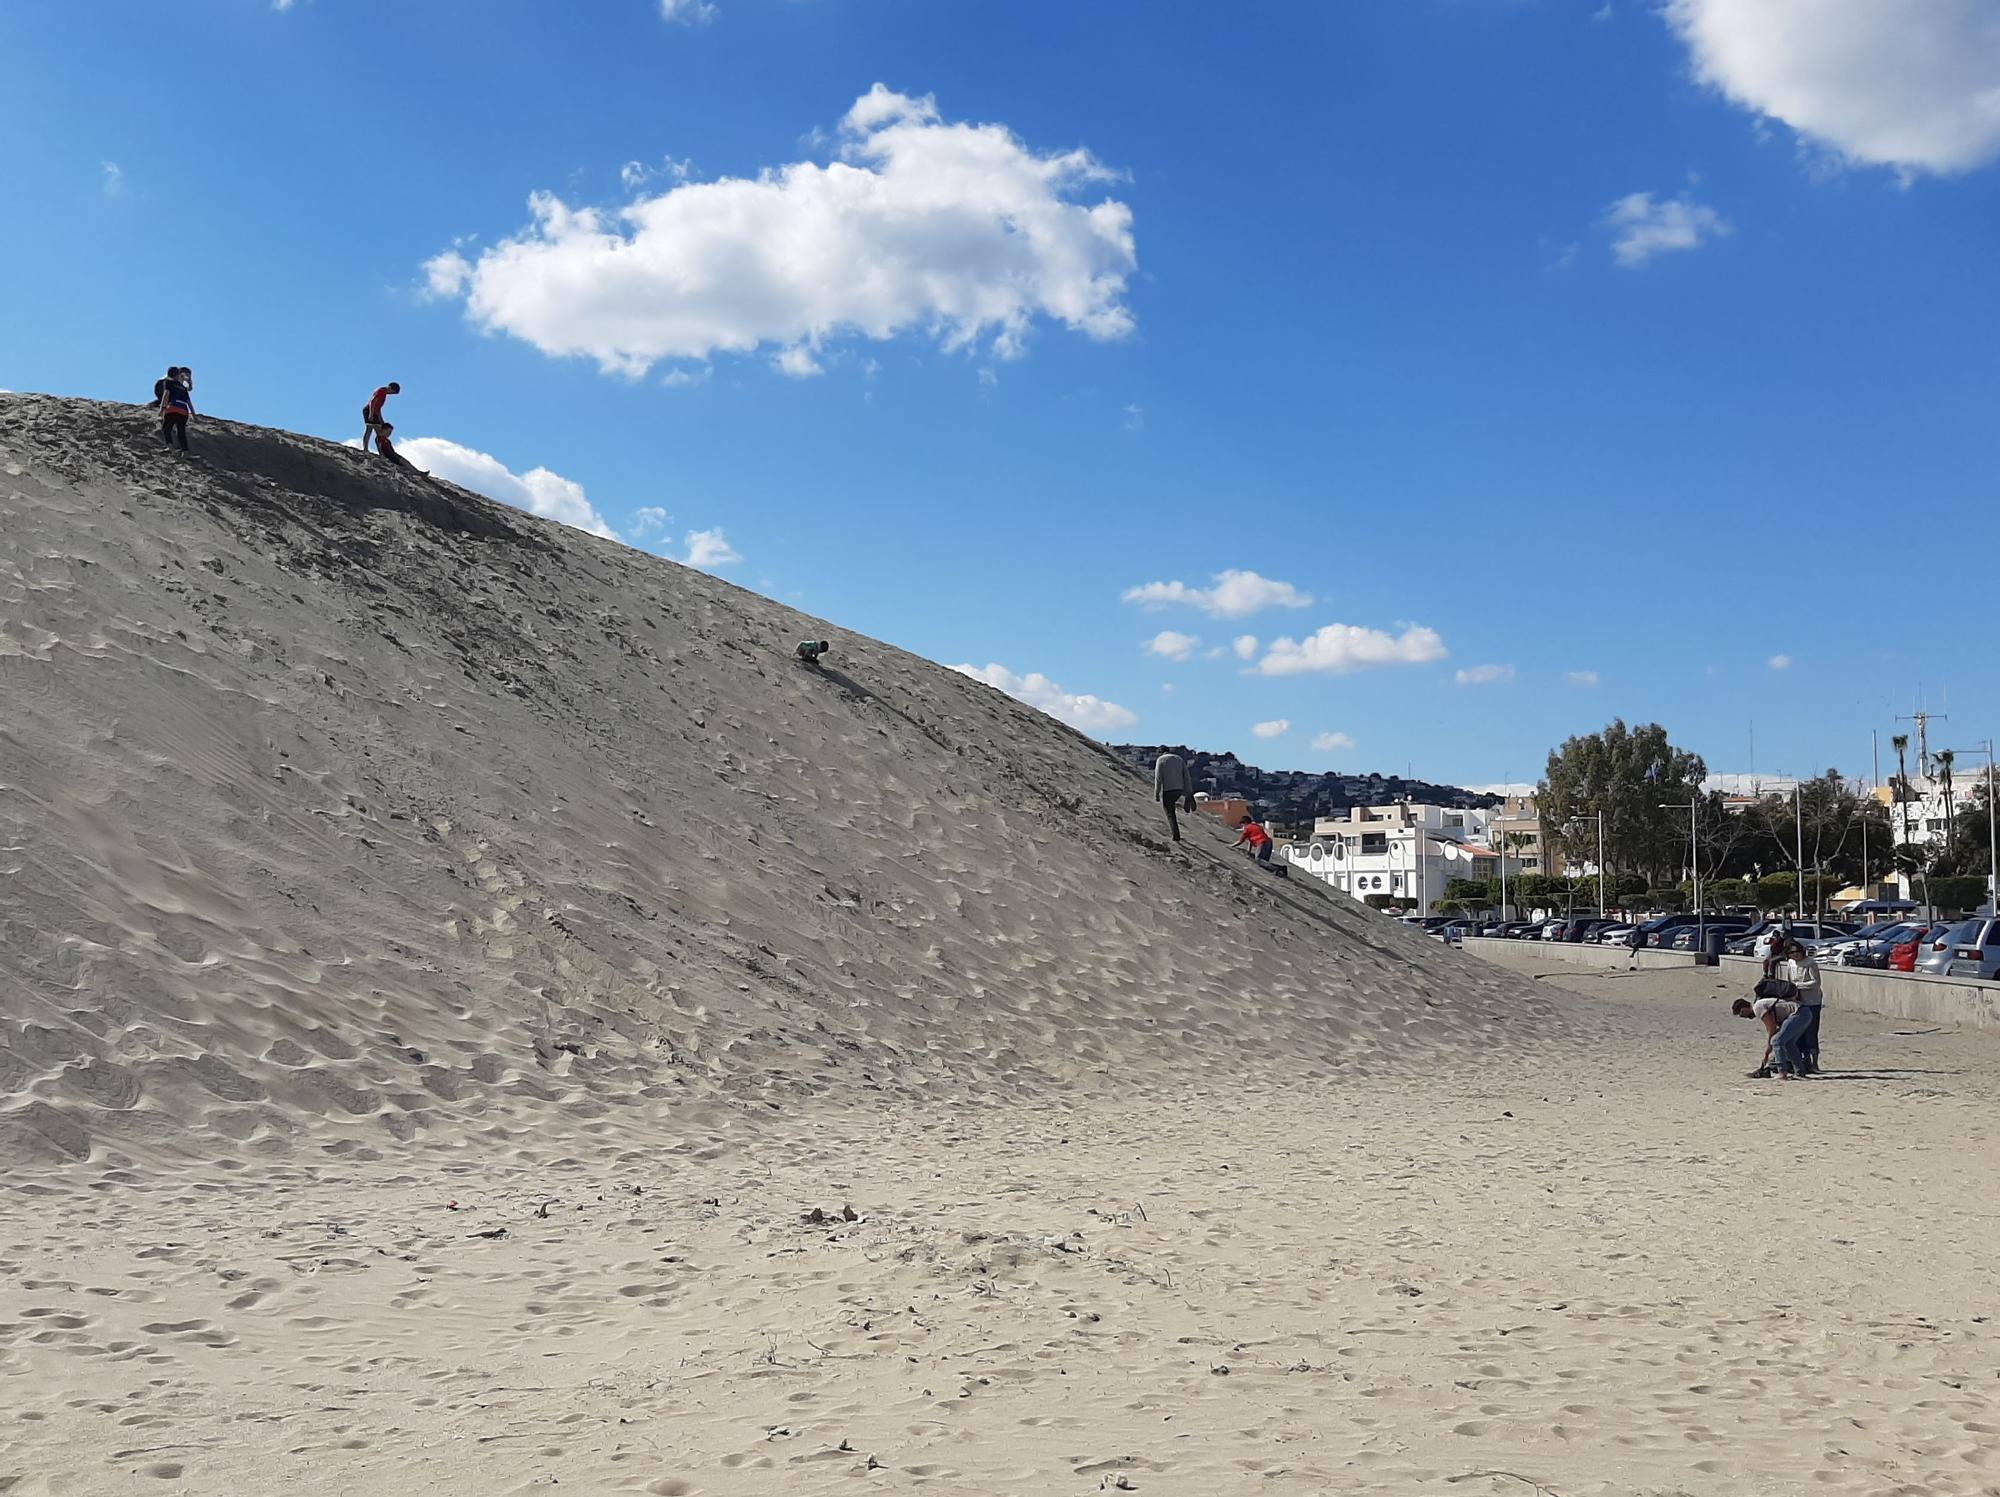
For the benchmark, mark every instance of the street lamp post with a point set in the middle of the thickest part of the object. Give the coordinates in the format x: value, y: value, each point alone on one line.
x: 1694, y: 867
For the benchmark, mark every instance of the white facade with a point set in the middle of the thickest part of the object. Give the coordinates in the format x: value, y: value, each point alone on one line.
x: 1401, y: 852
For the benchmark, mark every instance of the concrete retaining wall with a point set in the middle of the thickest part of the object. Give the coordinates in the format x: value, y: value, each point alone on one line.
x: 1547, y: 956
x: 1899, y: 995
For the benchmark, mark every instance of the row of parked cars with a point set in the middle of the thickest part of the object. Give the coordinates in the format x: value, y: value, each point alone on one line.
x: 1965, y: 948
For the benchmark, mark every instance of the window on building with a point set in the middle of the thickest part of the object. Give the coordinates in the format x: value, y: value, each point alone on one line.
x: 1376, y: 842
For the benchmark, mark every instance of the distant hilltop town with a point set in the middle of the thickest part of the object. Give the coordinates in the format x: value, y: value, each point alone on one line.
x: 1291, y: 797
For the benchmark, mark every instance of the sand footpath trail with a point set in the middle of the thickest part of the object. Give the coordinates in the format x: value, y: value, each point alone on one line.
x: 1631, y: 1273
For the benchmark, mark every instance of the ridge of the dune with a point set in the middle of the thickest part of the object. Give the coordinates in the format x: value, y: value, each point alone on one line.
x: 342, y: 808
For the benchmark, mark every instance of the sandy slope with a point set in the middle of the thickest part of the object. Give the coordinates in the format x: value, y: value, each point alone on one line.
x: 343, y: 809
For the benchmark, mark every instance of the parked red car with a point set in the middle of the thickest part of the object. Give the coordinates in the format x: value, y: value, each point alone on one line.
x: 1903, y: 957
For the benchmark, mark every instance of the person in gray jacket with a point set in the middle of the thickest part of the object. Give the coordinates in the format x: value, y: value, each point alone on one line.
x: 1172, y: 783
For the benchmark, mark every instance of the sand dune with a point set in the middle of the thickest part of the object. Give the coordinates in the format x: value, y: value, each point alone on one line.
x: 344, y: 808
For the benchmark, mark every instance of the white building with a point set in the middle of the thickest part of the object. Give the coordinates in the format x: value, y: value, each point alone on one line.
x: 1401, y: 851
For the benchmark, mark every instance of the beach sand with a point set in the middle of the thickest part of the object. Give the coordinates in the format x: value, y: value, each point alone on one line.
x: 447, y: 960
x: 1622, y: 1272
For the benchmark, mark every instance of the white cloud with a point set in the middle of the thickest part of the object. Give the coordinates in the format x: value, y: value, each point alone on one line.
x: 1580, y: 678
x: 1643, y: 227
x: 651, y: 520
x: 1171, y: 644
x: 1135, y: 418
x: 1091, y: 714
x: 1236, y: 594
x: 959, y: 230
x: 681, y: 379
x: 1337, y: 649
x: 1912, y: 84
x: 1245, y: 646
x: 114, y: 179
x: 281, y: 4
x: 1781, y: 662
x: 1332, y: 743
x: 1485, y: 675
x: 538, y: 490
x: 687, y: 12
x: 796, y: 362
x: 1277, y: 727
x: 710, y: 549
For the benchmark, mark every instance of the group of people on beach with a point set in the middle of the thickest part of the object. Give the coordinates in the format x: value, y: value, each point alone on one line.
x: 173, y: 398
x: 1788, y: 1002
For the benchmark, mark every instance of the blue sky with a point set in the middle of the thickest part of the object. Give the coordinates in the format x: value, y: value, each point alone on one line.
x: 1513, y: 363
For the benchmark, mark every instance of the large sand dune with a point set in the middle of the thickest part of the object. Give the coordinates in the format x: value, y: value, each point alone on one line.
x: 344, y: 808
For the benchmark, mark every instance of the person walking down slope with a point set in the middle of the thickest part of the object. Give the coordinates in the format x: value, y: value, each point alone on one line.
x: 176, y: 405
x: 1172, y: 785
x: 1259, y: 840
x: 372, y: 422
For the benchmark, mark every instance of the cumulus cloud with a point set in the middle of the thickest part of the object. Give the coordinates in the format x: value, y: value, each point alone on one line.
x: 1643, y: 226
x: 1781, y: 662
x: 538, y: 490
x: 650, y: 520
x: 682, y: 378
x: 1332, y: 743
x: 959, y: 230
x: 114, y: 179
x: 709, y: 549
x: 1580, y: 678
x: 1236, y: 594
x: 1909, y: 84
x: 1245, y: 646
x: 687, y: 12
x: 1080, y: 710
x: 797, y: 362
x: 1485, y: 675
x: 1338, y: 649
x: 1277, y: 727
x: 1171, y: 644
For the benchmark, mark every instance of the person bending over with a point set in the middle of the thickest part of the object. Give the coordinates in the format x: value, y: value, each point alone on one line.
x: 1782, y: 1018
x: 1259, y: 840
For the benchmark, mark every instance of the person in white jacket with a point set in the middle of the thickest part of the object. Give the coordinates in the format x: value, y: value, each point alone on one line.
x: 1800, y: 970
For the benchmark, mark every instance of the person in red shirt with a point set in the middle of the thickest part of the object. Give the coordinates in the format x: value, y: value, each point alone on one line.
x: 1259, y: 840
x: 371, y: 413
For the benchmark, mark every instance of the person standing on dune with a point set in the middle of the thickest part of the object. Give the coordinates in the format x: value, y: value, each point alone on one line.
x: 176, y: 405
x: 1172, y: 785
x: 372, y: 423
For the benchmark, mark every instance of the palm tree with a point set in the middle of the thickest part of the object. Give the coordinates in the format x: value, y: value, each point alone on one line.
x: 1901, y: 744
x: 1944, y: 760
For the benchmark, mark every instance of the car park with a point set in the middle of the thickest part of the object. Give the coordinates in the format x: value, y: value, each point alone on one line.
x: 1689, y: 937
x: 1868, y: 947
x: 1935, y: 955
x: 1975, y: 949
